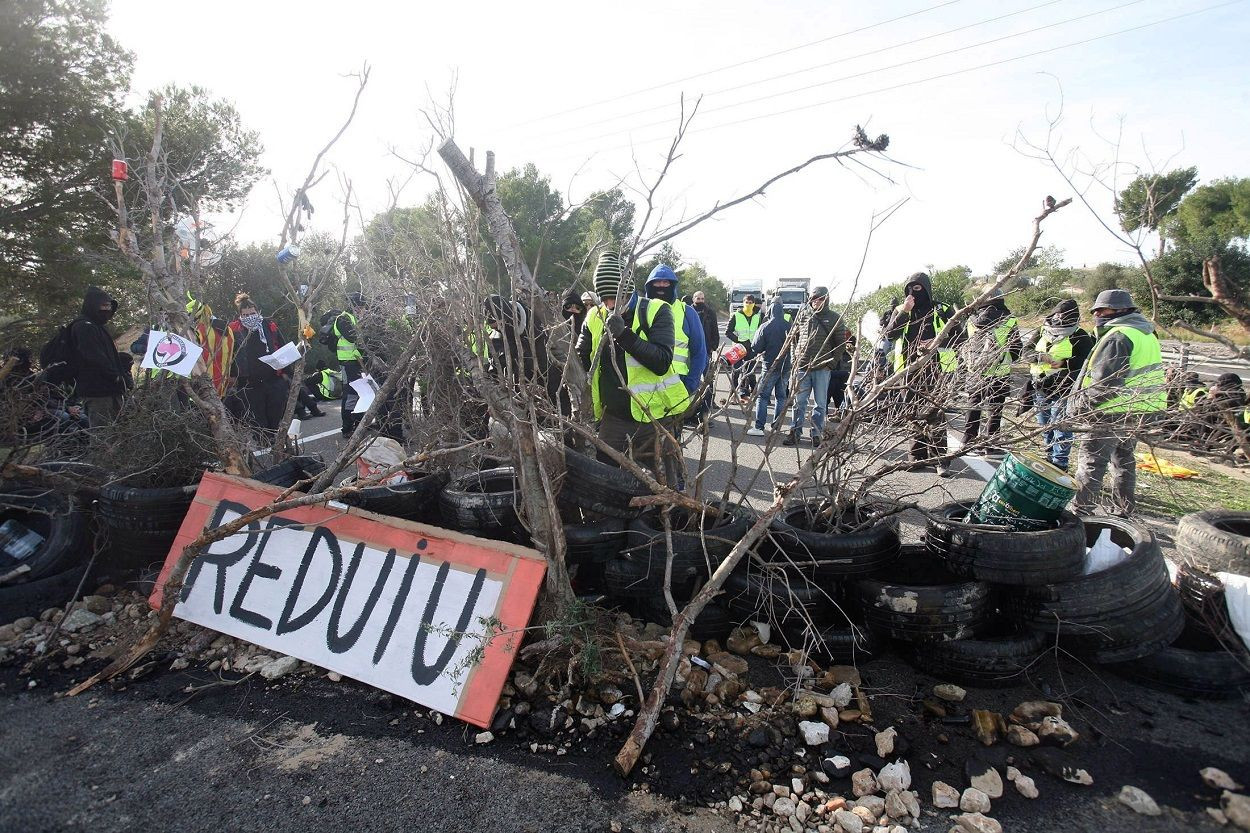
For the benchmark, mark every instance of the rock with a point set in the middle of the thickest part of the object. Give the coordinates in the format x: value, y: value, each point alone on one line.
x: 735, y: 804
x: 524, y: 683
x: 988, y: 726
x: 863, y: 783
x: 1217, y: 816
x: 691, y: 648
x: 838, y: 766
x: 767, y: 651
x: 814, y: 734
x: 25, y: 623
x: 797, y: 786
x: 1021, y: 736
x: 279, y: 667
x: 806, y: 708
x: 1057, y: 731
x: 1025, y: 786
x: 80, y: 619
x: 949, y: 692
x: 710, y: 647
x: 696, y: 680
x: 865, y: 815
x: 842, y: 695
x: 728, y: 665
x: 848, y: 821
x: 334, y: 677
x: 760, y: 787
x: 483, y: 737
x: 8, y: 634
x: 781, y: 791
x: 984, y: 777
x: 838, y: 674
x: 1218, y: 779
x: 977, y: 823
x: 911, y: 800
x: 849, y: 715
x: 933, y: 708
x: 783, y: 807
x: 974, y: 801
x: 874, y: 804
x: 742, y: 640
x: 895, y: 776
x: 1138, y: 801
x: 97, y: 604
x: 1237, y: 808
x: 758, y: 737
x: 885, y: 741
x: 944, y: 795
x: 1032, y: 711
x: 830, y: 716
x: 895, y: 807
x: 802, y: 811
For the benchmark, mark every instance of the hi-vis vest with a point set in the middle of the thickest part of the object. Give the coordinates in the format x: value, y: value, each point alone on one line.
x: 744, y: 328
x: 1002, y: 363
x: 681, y: 342
x: 1190, y: 398
x: 345, y: 350
x: 1144, y: 390
x: 948, y: 359
x: 652, y: 397
x: 1060, y: 351
x: 328, y: 384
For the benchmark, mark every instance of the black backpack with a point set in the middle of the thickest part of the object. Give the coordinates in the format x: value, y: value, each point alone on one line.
x: 57, y: 356
x: 326, y: 334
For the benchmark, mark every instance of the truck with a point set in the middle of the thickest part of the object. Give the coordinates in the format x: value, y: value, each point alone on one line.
x: 739, y: 290
x: 792, y: 292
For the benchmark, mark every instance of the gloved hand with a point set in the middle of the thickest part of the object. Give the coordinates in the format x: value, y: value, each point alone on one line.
x: 616, y: 325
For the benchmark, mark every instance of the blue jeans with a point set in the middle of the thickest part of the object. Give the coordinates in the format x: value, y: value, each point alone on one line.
x: 1058, y: 443
x: 772, y: 383
x: 814, y: 383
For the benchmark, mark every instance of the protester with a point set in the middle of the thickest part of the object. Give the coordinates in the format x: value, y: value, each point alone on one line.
x: 344, y: 330
x: 574, y: 312
x: 261, y: 390
x: 690, y: 355
x: 819, y: 344
x: 711, y: 340
x: 518, y: 349
x: 323, y: 383
x: 1224, y: 404
x: 774, y: 369
x: 632, y: 384
x: 741, y: 330
x: 992, y: 347
x: 101, y: 373
x: 913, y: 327
x: 1120, y: 389
x: 1059, y: 354
x: 217, y: 339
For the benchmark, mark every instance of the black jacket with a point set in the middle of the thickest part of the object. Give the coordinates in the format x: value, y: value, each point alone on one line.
x: 711, y: 332
x: 99, y: 370
x: 820, y: 341
x: 770, y: 338
x: 249, y: 346
x: 655, y: 354
x: 920, y: 324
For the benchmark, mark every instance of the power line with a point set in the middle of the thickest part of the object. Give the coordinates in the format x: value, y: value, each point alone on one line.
x: 925, y: 80
x: 726, y: 67
x: 824, y: 65
x: 852, y: 76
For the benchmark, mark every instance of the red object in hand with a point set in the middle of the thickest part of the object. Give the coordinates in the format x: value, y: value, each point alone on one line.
x: 120, y: 170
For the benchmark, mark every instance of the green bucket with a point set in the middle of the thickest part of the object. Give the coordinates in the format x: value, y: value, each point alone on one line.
x: 1025, y: 493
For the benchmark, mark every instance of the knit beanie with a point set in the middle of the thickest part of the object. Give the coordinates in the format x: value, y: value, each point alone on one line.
x: 609, y: 278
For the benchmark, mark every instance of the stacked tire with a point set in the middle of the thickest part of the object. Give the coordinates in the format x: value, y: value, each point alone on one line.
x: 416, y: 499
x: 484, y: 504
x: 141, y: 523
x: 50, y: 575
x: 599, y: 487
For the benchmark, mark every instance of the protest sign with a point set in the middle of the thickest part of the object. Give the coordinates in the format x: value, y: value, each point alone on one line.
x: 172, y: 352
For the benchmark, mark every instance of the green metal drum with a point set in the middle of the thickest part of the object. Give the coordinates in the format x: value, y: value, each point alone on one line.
x: 1025, y: 493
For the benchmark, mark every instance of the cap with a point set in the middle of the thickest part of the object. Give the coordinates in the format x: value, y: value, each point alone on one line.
x: 589, y: 298
x: 1113, y: 299
x: 819, y: 292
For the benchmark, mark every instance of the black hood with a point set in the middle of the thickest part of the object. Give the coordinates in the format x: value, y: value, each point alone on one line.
x: 923, y: 299
x: 1065, y: 314
x: 992, y: 312
x: 91, y: 302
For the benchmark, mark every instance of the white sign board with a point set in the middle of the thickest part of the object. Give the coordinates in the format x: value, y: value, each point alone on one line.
x: 172, y: 352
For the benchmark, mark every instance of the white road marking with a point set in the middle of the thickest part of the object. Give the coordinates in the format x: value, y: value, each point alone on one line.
x: 321, y: 436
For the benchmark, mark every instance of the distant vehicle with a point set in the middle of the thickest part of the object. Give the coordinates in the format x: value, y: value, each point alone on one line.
x: 792, y: 292
x: 739, y: 290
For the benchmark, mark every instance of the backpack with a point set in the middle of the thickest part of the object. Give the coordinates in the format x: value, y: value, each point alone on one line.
x: 326, y: 334
x: 57, y: 357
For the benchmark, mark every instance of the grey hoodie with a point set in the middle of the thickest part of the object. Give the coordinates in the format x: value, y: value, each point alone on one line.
x: 1107, y: 365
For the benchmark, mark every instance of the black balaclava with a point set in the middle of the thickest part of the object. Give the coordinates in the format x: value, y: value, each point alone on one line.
x: 924, y: 297
x: 94, y: 298
x: 668, y: 293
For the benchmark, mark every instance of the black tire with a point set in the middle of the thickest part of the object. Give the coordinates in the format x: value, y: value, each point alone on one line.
x: 32, y: 598
x: 1005, y: 556
x: 599, y: 487
x: 933, y: 605
x: 625, y: 578
x: 998, y: 657
x: 482, y: 501
x: 1215, y: 537
x: 784, y: 600
x: 714, y: 621
x: 1195, y: 665
x: 695, y: 551
x: 56, y: 517
x: 1119, y: 614
x: 817, y: 547
x: 142, y: 523
x: 844, y: 644
x: 415, y: 500
x: 290, y: 471
x: 1202, y: 596
x: 594, y: 542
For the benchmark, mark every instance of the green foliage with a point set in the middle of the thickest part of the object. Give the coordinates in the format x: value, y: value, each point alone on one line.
x: 1213, y: 216
x: 1044, y: 259
x: 692, y: 276
x: 1179, y: 272
x: 950, y: 286
x: 403, y: 244
x: 1149, y: 199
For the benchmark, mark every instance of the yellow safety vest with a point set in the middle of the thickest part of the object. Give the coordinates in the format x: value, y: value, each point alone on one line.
x: 326, y: 383
x: 948, y: 359
x: 652, y: 396
x: 1001, y: 367
x: 681, y: 342
x: 1060, y: 351
x: 744, y: 328
x: 1145, y: 386
x: 345, y: 350
x: 1190, y: 398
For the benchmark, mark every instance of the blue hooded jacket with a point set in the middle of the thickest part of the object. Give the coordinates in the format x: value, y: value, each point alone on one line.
x: 770, y: 338
x: 692, y: 326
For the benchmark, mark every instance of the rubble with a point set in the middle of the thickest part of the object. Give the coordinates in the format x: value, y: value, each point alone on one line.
x: 977, y: 823
x: 278, y: 668
x: 949, y: 692
x: 895, y: 776
x: 885, y: 741
x: 944, y: 795
x: 974, y: 801
x: 1138, y: 801
x: 984, y: 777
x: 1018, y: 735
x: 1218, y: 779
x: 1236, y: 808
x: 814, y: 734
x: 863, y: 782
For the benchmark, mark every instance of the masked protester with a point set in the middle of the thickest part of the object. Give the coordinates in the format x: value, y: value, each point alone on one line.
x: 101, y: 373
x: 261, y: 391
x: 689, y: 357
x: 711, y: 340
x: 992, y: 347
x: 574, y: 312
x: 1121, y: 388
x: 741, y: 330
x: 1057, y: 357
x: 913, y: 328
x: 345, y: 327
x: 819, y: 344
x: 775, y: 369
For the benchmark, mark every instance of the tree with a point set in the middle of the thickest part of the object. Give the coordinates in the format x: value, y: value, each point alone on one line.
x: 1213, y: 216
x: 62, y: 80
x: 1147, y: 201
x: 1045, y: 259
x: 692, y: 277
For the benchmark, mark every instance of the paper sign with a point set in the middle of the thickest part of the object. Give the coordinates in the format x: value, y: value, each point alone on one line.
x: 172, y: 352
x: 285, y: 355
x: 366, y: 389
x: 425, y: 613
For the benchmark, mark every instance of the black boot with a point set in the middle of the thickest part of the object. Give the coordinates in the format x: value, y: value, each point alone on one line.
x: 792, y: 439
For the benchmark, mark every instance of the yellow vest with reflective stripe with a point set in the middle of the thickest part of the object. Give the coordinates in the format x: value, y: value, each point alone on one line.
x: 948, y: 359
x: 681, y: 342
x: 744, y: 328
x: 1144, y: 386
x: 1001, y: 367
x: 652, y: 396
x: 345, y: 350
x: 1190, y: 398
x: 1060, y: 351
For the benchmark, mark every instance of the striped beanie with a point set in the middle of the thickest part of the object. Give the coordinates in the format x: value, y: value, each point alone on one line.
x: 609, y: 278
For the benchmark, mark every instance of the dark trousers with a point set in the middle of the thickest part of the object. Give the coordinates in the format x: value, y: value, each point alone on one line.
x: 307, y: 402
x: 351, y: 372
x: 742, y: 377
x: 263, y: 401
x: 926, y: 419
x: 989, y: 398
x: 837, y: 390
x: 638, y: 440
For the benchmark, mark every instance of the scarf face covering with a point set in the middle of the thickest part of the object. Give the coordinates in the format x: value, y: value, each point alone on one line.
x: 1054, y: 333
x: 252, y: 321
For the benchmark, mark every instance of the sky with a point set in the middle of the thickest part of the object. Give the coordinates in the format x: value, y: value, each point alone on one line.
x: 591, y: 93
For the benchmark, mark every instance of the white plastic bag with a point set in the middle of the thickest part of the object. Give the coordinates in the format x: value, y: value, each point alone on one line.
x: 1104, y: 555
x: 1237, y: 600
x: 380, y: 454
